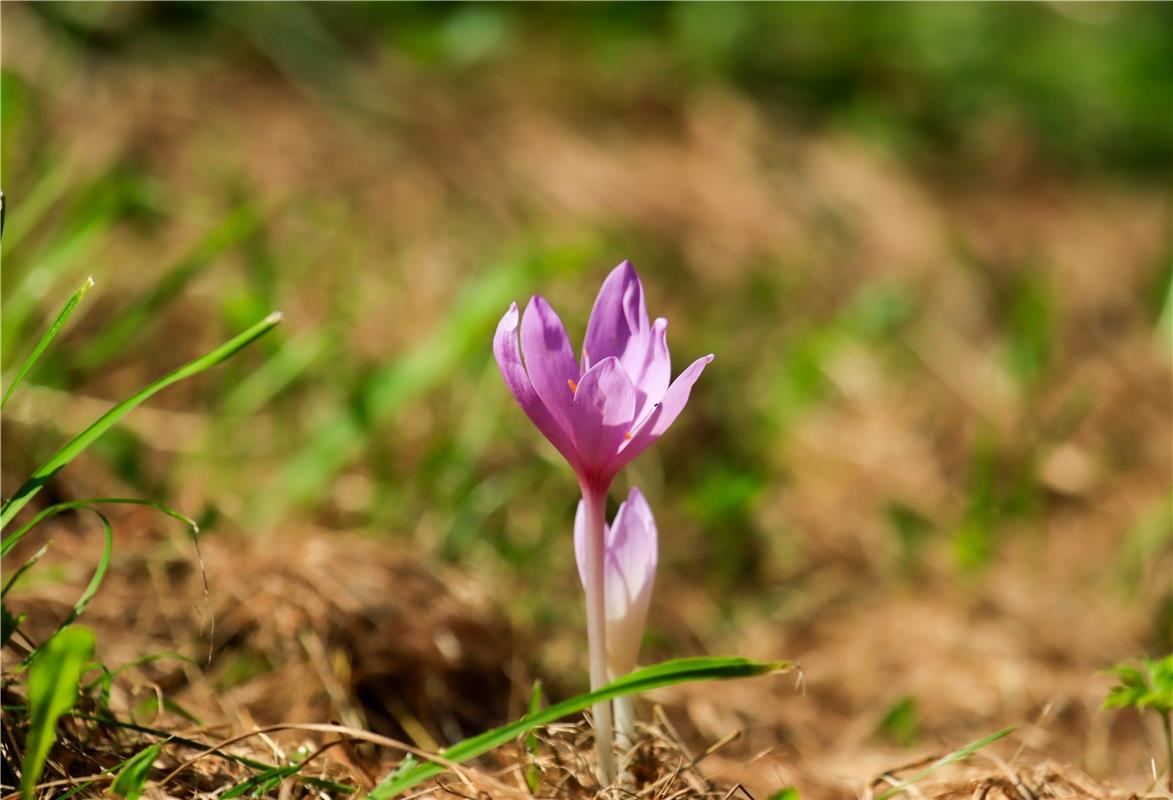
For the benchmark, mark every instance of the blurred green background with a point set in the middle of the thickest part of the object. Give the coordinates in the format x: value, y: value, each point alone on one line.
x: 929, y: 244
x: 131, y: 153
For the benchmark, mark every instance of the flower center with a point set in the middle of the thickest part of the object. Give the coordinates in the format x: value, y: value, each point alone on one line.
x: 573, y: 386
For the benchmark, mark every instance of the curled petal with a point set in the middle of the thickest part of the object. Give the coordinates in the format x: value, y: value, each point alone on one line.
x: 549, y: 359
x: 601, y: 417
x: 662, y: 416
x: 508, y: 356
x: 618, y: 325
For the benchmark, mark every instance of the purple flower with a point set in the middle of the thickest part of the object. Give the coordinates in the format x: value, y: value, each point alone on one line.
x: 604, y: 411
x: 629, y: 559
x: 600, y: 413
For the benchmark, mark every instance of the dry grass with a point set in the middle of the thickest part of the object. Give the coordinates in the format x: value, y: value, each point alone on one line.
x: 340, y: 628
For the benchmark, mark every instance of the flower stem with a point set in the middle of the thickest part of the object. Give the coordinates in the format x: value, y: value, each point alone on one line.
x: 624, y: 722
x: 595, y: 507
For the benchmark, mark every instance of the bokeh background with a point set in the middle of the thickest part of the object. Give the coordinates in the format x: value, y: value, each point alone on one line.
x: 929, y: 244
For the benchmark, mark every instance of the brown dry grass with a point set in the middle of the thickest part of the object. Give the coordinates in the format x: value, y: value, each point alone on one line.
x: 340, y: 628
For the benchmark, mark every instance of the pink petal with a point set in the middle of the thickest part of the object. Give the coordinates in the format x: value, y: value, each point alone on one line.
x: 618, y: 325
x: 629, y: 574
x: 631, y: 542
x: 651, y: 381
x: 631, y: 568
x: 658, y: 421
x: 509, y: 361
x: 580, y: 542
x: 549, y: 359
x: 601, y: 417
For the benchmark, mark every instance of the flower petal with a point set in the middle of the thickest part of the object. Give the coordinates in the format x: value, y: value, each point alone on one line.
x: 508, y: 357
x: 601, y: 417
x: 631, y: 546
x: 618, y: 325
x: 659, y: 420
x: 631, y: 568
x: 631, y: 554
x: 580, y: 543
x: 549, y: 359
x: 651, y: 381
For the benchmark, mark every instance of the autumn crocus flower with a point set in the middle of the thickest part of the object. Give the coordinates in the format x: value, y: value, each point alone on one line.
x: 600, y: 413
x: 629, y: 570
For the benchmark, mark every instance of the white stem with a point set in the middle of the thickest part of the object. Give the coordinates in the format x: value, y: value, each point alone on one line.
x: 624, y: 722
x: 595, y: 508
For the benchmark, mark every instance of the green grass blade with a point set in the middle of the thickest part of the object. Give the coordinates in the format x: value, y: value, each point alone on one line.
x: 281, y: 369
x: 25, y: 567
x: 262, y: 782
x: 193, y: 744
x: 52, y: 690
x: 957, y: 755
x: 117, y: 768
x: 135, y: 771
x: 87, y: 437
x: 9, y: 624
x: 47, y: 338
x: 682, y: 670
x: 91, y: 588
x: 11, y: 540
x: 48, y: 270
x: 95, y: 581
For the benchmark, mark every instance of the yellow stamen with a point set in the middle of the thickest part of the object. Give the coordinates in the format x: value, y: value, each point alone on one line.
x: 573, y: 386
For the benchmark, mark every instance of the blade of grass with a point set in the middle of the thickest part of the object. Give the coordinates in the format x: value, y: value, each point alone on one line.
x: 109, y: 674
x: 70, y: 505
x: 114, y: 771
x: 957, y: 755
x: 533, y: 775
x: 682, y: 670
x: 49, y: 269
x: 262, y: 782
x: 87, y: 437
x: 9, y: 624
x: 47, y: 338
x: 278, y: 371
x: 192, y: 526
x: 193, y: 744
x: 135, y: 771
x: 25, y: 568
x: 104, y: 682
x: 91, y: 588
x: 52, y: 690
